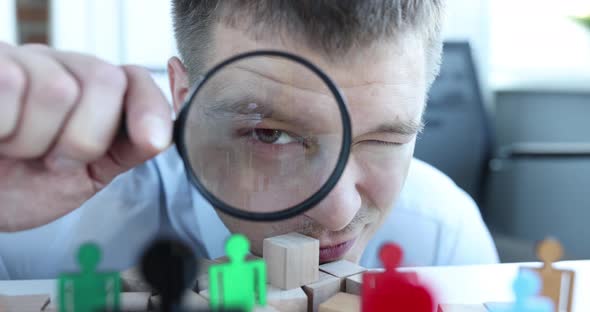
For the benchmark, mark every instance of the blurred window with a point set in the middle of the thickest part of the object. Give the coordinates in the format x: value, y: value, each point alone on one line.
x: 537, y: 43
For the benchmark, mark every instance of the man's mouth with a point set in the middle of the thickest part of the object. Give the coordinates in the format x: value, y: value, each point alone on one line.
x: 335, y: 252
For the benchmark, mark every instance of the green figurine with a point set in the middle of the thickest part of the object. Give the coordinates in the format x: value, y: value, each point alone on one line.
x: 237, y: 284
x: 88, y: 290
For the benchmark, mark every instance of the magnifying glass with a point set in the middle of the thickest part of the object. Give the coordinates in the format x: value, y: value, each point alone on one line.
x: 264, y: 135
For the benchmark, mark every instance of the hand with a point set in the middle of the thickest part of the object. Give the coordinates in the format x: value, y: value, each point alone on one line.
x: 62, y: 137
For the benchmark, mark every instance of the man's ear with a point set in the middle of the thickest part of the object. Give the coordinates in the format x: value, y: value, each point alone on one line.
x: 179, y: 84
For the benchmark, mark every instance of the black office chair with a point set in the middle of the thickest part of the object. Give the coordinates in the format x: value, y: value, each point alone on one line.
x: 457, y: 139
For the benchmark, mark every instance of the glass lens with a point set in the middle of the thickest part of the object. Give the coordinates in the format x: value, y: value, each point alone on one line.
x: 263, y: 134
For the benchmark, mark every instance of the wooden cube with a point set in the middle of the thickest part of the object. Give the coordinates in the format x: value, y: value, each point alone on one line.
x: 191, y: 301
x: 353, y: 284
x: 265, y: 309
x: 322, y: 290
x: 292, y: 260
x: 202, y: 281
x: 24, y: 303
x: 133, y: 281
x: 341, y: 302
x: 292, y: 300
x: 462, y: 308
x: 342, y: 268
x: 135, y: 301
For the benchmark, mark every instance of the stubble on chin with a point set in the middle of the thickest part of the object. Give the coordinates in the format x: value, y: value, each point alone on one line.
x: 365, y: 222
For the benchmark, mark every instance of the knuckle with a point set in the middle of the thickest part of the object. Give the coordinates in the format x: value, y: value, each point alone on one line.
x: 108, y: 75
x: 19, y: 149
x: 63, y: 89
x: 79, y: 148
x: 12, y: 77
x: 34, y: 151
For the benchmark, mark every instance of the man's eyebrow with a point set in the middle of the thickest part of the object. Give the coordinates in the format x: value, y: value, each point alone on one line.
x: 249, y: 107
x: 244, y: 105
x: 401, y: 127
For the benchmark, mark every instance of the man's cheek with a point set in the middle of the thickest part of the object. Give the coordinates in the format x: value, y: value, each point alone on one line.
x: 385, y: 187
x: 383, y: 178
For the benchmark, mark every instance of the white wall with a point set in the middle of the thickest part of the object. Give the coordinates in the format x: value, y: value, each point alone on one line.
x: 118, y: 31
x: 469, y: 20
x: 514, y: 42
x: 8, y: 31
x: 89, y: 26
x: 129, y: 31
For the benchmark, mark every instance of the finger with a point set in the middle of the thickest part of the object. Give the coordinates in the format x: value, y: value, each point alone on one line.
x: 148, y: 127
x: 50, y: 95
x: 12, y: 88
x: 149, y: 116
x: 92, y: 126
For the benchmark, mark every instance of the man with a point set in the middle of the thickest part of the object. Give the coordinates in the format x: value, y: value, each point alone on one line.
x: 70, y: 175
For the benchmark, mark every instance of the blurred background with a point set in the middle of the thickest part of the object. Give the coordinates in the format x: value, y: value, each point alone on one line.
x: 508, y: 118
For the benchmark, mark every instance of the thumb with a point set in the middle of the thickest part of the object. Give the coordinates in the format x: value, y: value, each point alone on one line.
x: 146, y: 131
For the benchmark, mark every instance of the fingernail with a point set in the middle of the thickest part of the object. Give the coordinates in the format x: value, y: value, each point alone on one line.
x: 66, y: 164
x: 159, y: 133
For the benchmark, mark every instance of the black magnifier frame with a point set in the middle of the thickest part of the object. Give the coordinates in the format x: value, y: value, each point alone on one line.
x: 320, y: 194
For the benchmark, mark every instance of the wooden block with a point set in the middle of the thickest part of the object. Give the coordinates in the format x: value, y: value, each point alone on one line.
x: 48, y: 308
x: 342, y: 268
x: 341, y: 302
x: 462, y: 308
x: 191, y: 301
x: 353, y: 284
x: 292, y: 300
x: 322, y: 290
x: 204, y: 294
x: 265, y: 309
x: 292, y: 260
x: 154, y: 302
x: 28, y: 303
x: 498, y: 306
x: 135, y: 301
x: 202, y: 281
x: 132, y: 281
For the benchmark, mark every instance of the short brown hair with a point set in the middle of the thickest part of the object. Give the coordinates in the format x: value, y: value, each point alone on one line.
x: 332, y: 26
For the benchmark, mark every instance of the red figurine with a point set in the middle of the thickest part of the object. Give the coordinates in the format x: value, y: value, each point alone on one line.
x: 391, y: 290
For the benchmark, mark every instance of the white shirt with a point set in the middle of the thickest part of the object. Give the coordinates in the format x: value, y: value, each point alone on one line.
x: 434, y: 221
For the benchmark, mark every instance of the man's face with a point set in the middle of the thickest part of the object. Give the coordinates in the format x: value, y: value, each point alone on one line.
x: 385, y: 89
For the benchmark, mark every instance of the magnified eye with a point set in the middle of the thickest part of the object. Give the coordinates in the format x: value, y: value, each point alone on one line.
x: 272, y: 136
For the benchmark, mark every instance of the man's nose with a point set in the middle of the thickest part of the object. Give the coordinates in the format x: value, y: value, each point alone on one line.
x: 344, y: 201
